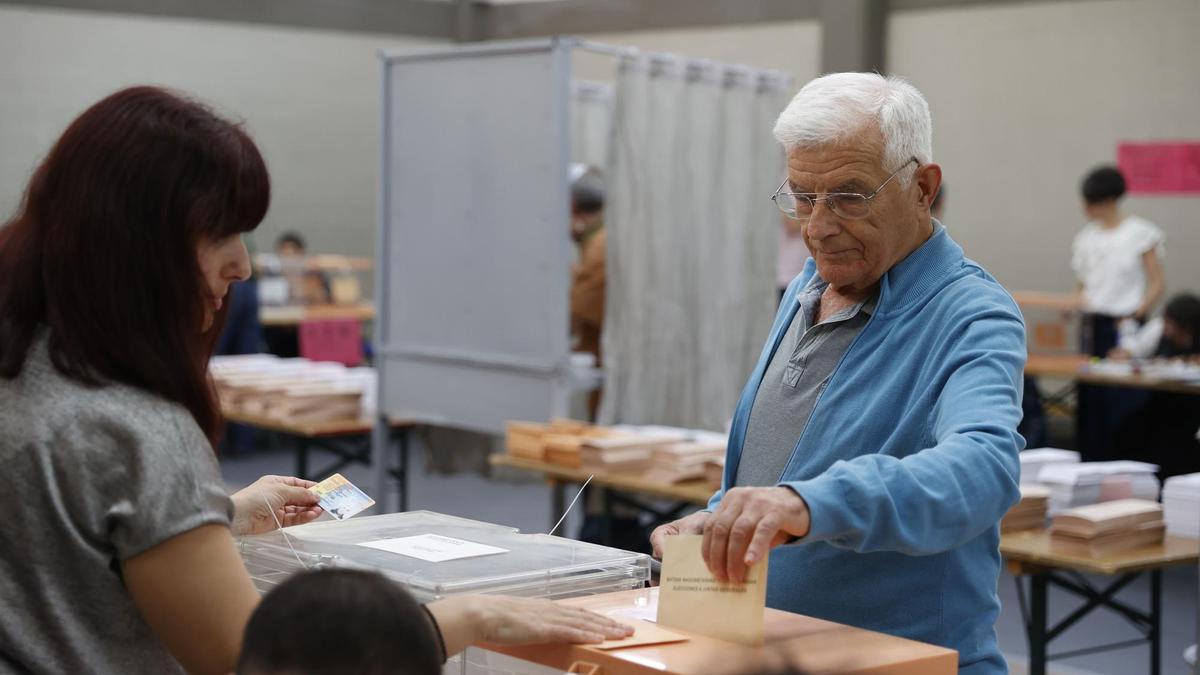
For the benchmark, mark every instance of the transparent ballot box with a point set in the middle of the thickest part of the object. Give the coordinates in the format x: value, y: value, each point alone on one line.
x: 526, y: 565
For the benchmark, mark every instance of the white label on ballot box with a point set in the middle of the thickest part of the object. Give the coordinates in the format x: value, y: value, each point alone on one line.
x: 434, y: 547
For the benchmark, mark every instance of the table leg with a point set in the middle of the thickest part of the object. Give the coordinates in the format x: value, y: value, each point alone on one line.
x: 607, y: 524
x: 558, y: 500
x: 403, y: 481
x: 1037, y: 624
x: 1155, y: 622
x: 302, y: 457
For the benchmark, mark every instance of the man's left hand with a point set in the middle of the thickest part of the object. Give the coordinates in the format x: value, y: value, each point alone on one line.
x: 748, y: 523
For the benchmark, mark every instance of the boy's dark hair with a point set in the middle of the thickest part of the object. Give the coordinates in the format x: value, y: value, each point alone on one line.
x: 1183, y: 309
x: 291, y: 238
x: 328, y: 622
x: 1103, y: 184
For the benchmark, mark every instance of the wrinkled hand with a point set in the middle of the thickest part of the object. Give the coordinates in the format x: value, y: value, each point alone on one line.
x: 520, y: 621
x: 258, y: 507
x: 748, y: 523
x: 692, y: 524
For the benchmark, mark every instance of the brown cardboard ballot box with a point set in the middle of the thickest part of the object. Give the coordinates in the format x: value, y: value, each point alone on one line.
x: 812, y: 645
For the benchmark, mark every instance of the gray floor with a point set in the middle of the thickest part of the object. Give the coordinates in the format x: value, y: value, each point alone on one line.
x: 526, y: 504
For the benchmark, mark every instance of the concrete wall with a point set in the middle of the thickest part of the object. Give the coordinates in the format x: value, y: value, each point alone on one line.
x: 310, y: 99
x: 1027, y: 97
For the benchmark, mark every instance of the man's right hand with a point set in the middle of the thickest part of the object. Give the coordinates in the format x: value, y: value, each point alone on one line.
x: 693, y: 524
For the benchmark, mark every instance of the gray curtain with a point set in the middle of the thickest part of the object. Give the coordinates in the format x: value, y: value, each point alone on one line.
x: 691, y: 237
x: 591, y: 122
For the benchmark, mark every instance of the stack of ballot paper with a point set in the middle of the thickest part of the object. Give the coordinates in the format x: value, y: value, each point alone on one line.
x: 668, y: 454
x: 714, y: 472
x: 1086, y: 483
x: 1111, y: 527
x: 1030, y: 512
x: 293, y: 390
x: 626, y: 452
x: 1032, y: 461
x: 615, y: 455
x: 1181, y: 505
x: 685, y: 461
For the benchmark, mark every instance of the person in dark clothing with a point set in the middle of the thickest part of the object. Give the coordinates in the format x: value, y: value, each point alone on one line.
x: 1163, y: 428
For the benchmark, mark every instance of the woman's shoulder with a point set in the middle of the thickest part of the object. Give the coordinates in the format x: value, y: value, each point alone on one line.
x: 55, y: 401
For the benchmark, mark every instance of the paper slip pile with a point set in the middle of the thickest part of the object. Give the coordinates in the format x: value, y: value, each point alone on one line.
x: 1030, y: 512
x: 619, y: 449
x: 1033, y: 461
x: 1181, y: 505
x: 685, y: 461
x: 1104, y: 529
x: 1086, y: 483
x: 690, y: 599
x: 295, y: 390
x: 623, y: 452
x: 714, y: 472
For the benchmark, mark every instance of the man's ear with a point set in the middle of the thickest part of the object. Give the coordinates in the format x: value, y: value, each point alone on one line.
x: 929, y: 178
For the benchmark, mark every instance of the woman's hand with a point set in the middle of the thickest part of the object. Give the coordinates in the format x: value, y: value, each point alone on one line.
x: 468, y: 619
x: 271, y: 501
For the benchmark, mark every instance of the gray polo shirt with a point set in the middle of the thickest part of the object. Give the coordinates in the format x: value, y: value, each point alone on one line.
x: 794, y: 380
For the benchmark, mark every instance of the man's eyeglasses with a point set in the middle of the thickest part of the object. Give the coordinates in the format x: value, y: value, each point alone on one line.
x: 800, y: 205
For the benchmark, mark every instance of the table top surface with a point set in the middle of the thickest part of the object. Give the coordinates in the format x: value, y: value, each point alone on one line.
x: 350, y: 427
x: 812, y: 644
x: 695, y: 491
x: 1071, y: 366
x: 1032, y: 547
x: 292, y: 315
x: 1063, y: 302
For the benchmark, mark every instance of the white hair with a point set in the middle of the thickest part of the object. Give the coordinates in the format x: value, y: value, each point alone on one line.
x: 833, y: 107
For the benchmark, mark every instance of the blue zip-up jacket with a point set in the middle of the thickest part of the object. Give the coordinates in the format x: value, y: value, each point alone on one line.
x: 908, y: 461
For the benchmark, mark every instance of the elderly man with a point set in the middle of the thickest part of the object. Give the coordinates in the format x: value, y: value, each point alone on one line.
x: 877, y: 436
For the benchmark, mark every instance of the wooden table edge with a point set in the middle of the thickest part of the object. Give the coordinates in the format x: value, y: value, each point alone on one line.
x: 687, y: 492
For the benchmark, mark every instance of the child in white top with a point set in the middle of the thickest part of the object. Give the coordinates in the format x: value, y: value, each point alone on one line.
x: 1116, y: 257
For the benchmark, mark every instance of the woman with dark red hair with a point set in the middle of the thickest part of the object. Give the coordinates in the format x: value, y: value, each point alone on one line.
x: 117, y: 552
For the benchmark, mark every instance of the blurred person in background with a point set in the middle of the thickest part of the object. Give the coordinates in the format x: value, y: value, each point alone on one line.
x: 1117, y: 259
x: 1162, y: 427
x: 589, y: 274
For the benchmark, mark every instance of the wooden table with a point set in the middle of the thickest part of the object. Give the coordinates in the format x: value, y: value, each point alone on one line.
x: 1030, y: 554
x: 293, y: 315
x: 1073, y: 367
x: 811, y: 644
x: 618, y: 488
x: 349, y: 440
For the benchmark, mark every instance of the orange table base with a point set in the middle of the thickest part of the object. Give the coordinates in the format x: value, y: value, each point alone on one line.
x: 804, y: 642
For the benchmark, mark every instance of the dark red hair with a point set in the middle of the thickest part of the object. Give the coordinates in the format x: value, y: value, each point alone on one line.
x: 103, y: 249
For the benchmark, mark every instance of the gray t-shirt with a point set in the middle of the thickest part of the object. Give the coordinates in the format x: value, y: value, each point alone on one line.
x: 796, y: 376
x: 92, y: 477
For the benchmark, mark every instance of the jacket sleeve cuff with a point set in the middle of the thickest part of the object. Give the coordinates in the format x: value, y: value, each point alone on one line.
x: 829, y: 518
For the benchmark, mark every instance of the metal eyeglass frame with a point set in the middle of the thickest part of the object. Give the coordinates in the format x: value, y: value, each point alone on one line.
x: 813, y: 197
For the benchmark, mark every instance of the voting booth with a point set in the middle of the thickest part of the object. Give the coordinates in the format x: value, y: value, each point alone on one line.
x: 474, y: 252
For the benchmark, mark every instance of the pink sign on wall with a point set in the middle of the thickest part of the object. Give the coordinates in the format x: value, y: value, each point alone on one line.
x: 337, y: 340
x: 1160, y: 168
